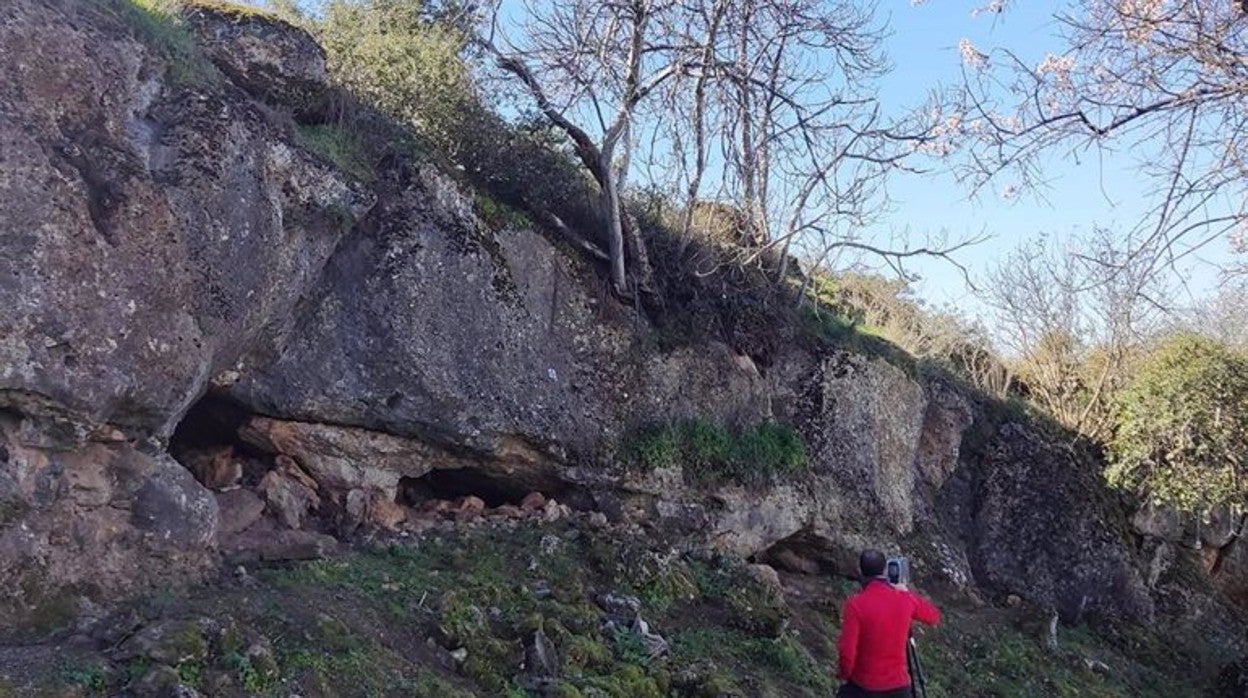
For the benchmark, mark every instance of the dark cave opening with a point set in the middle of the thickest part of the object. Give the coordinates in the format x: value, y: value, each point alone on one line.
x: 212, y: 421
x: 207, y: 443
x: 494, y: 488
x: 806, y: 552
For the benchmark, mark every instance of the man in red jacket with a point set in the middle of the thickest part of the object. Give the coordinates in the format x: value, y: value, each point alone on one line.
x: 875, y: 628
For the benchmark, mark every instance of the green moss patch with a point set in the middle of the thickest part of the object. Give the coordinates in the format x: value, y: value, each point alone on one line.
x: 710, y: 453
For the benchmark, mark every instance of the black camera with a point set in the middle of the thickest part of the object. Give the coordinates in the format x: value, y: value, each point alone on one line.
x: 897, y: 569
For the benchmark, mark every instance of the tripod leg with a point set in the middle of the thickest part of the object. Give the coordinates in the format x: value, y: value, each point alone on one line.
x: 917, y: 679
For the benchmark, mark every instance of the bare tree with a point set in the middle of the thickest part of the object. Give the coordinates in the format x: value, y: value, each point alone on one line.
x: 1166, y: 80
x: 1072, y: 317
x: 600, y: 60
x: 1222, y: 316
x: 768, y: 105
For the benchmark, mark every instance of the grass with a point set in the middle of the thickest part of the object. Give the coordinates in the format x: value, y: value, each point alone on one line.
x: 499, y: 215
x: 710, y: 453
x: 383, y: 621
x: 824, y: 325
x: 477, y: 591
x: 963, y: 658
x: 157, y: 23
x: 91, y: 677
x: 730, y: 650
x: 346, y: 150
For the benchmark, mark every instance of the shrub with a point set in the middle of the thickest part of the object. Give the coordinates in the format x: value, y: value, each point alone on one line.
x: 711, y: 453
x: 868, y: 311
x: 389, y: 54
x: 395, y: 57
x: 1182, y: 427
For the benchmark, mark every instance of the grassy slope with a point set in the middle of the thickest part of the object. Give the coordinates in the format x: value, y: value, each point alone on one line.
x: 378, y: 622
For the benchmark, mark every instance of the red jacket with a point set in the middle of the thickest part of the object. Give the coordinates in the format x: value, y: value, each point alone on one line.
x: 874, y: 630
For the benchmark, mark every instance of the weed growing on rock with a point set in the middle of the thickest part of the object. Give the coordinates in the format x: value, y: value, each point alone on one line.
x: 158, y: 24
x: 346, y: 150
x: 90, y: 677
x: 712, y: 454
x: 499, y: 215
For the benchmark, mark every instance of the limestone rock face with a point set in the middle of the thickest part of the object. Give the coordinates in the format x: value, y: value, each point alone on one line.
x: 428, y: 324
x: 1055, y: 544
x: 1231, y: 572
x: 1213, y: 529
x: 155, y: 223
x: 150, y: 230
x: 874, y: 438
x: 863, y: 420
x: 342, y: 458
x: 947, y: 418
x: 90, y: 518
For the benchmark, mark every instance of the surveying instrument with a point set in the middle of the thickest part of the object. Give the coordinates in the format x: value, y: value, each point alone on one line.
x: 897, y: 570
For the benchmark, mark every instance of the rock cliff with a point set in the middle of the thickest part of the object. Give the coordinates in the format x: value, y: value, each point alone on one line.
x: 190, y: 290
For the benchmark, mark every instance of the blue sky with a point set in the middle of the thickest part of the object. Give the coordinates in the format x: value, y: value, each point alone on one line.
x: 1105, y: 191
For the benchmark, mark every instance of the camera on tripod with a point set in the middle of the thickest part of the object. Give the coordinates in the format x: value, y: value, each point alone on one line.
x: 897, y: 569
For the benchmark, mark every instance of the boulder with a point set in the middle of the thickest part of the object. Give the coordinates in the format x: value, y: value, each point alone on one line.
x: 468, y: 508
x: 171, y: 507
x: 1222, y: 525
x: 163, y: 681
x: 274, y: 61
x: 290, y: 494
x: 170, y: 642
x: 384, y: 513
x: 533, y: 501
x: 541, y: 658
x: 215, y: 468
x: 767, y: 576
x: 371, y: 508
x: 238, y: 509
x: 1164, y: 523
x: 262, y: 543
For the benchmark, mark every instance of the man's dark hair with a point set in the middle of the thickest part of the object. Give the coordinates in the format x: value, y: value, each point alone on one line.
x: 871, y: 563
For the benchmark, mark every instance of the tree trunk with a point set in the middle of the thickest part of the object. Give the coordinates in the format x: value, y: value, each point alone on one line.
x: 614, y: 219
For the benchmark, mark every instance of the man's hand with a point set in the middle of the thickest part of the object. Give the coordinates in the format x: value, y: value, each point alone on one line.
x: 902, y: 586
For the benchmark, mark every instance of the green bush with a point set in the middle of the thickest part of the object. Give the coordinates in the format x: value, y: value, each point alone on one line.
x: 390, y: 55
x: 395, y: 57
x: 1182, y: 427
x: 711, y: 453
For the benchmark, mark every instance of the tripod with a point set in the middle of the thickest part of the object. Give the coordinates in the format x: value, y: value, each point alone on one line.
x: 916, y: 669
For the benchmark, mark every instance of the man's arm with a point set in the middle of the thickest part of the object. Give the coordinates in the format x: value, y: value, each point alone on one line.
x: 924, y: 610
x: 847, y: 645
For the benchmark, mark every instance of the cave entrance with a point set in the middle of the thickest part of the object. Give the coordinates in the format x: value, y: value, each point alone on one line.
x: 212, y: 421
x: 807, y: 552
x: 494, y: 488
x: 207, y: 443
